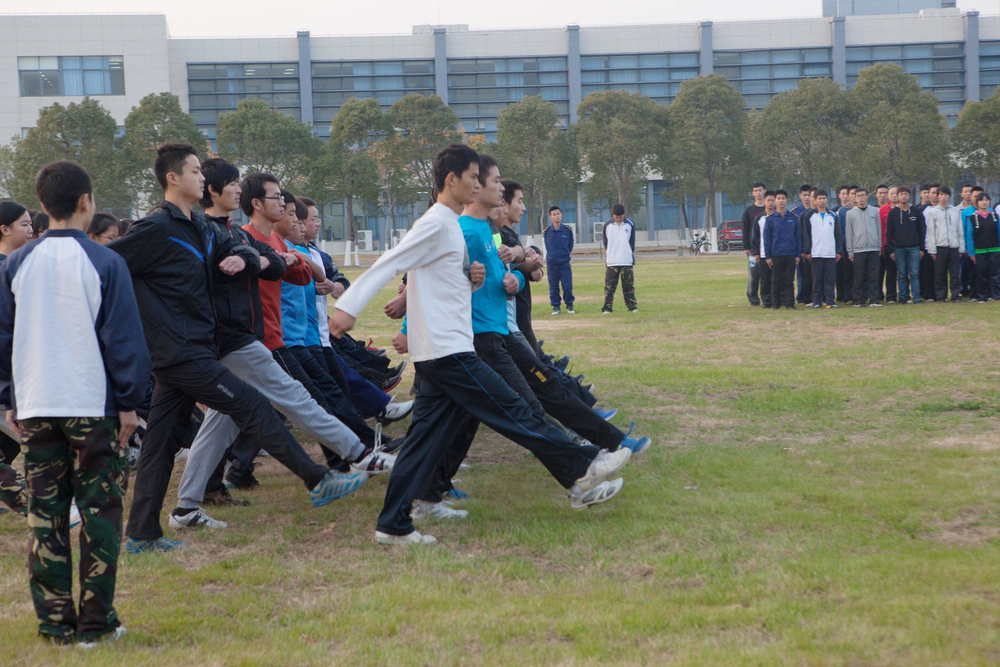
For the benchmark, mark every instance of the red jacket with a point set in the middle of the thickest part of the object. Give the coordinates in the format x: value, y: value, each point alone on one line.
x: 883, y: 214
x: 270, y: 290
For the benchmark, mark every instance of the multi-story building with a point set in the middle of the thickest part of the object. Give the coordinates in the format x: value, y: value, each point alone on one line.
x: 121, y: 58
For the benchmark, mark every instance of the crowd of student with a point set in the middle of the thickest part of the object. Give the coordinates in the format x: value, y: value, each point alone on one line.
x: 896, y: 250
x: 111, y: 329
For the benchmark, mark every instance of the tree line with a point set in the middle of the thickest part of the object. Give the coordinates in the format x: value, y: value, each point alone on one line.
x: 884, y: 129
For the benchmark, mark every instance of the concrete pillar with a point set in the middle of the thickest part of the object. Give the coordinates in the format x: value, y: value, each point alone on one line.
x: 971, y: 55
x: 706, y: 59
x: 838, y: 30
x: 573, y: 66
x: 305, y: 77
x: 441, y: 63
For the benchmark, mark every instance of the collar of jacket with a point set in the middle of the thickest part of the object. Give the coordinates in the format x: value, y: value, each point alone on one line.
x: 786, y: 214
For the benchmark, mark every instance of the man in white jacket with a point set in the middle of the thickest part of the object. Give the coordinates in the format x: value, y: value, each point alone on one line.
x: 619, y: 244
x: 452, y: 379
x: 945, y: 244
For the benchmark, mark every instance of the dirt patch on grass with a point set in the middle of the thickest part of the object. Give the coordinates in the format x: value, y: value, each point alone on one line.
x: 982, y: 442
x: 970, y: 529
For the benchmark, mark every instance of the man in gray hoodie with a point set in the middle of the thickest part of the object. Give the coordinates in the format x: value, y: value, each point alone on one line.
x: 863, y: 238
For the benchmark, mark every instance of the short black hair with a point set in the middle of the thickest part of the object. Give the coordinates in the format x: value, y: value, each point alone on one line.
x: 170, y: 159
x: 880, y: 186
x: 126, y: 223
x: 39, y: 222
x: 841, y: 188
x: 554, y: 208
x: 486, y: 162
x: 59, y: 186
x: 510, y: 188
x: 805, y: 188
x: 10, y: 212
x: 855, y: 187
x: 976, y: 188
x: 453, y: 159
x: 820, y: 192
x: 981, y: 195
x: 102, y: 222
x: 944, y: 189
x: 301, y: 212
x: 925, y: 186
x: 860, y: 188
x: 291, y: 199
x: 780, y: 192
x: 618, y: 209
x: 935, y: 185
x: 904, y: 188
x: 252, y: 187
x: 218, y: 174
x: 758, y: 184
x: 769, y: 193
x: 306, y: 201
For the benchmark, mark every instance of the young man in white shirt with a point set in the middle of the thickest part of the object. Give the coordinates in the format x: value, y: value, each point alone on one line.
x: 822, y: 245
x: 945, y: 242
x: 453, y: 380
x: 619, y: 244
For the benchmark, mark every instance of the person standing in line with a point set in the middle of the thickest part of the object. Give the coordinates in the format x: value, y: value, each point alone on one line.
x: 945, y: 242
x: 887, y: 198
x: 803, y: 277
x: 845, y: 270
x: 753, y: 269
x: 558, y: 253
x: 966, y: 266
x: 783, y: 247
x: 985, y: 248
x: 927, y: 262
x: 69, y: 301
x: 758, y: 252
x: 619, y: 247
x: 822, y: 247
x: 905, y: 241
x: 863, y: 241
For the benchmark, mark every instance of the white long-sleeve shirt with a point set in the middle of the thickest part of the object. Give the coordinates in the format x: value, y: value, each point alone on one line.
x: 944, y: 228
x: 438, y: 291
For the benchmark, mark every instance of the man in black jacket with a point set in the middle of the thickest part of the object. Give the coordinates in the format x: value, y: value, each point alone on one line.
x: 905, y: 234
x: 175, y: 257
x: 753, y: 270
x: 756, y: 247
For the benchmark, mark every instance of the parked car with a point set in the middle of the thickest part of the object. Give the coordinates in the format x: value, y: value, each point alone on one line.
x: 731, y: 232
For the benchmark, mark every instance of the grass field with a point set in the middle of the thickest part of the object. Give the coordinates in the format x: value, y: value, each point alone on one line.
x: 822, y: 490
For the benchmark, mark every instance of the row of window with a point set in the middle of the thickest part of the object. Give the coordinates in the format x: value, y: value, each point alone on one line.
x: 639, y: 61
x: 895, y: 52
x: 472, y: 66
x: 723, y: 58
x: 774, y: 71
x: 71, y: 76
x: 242, y: 70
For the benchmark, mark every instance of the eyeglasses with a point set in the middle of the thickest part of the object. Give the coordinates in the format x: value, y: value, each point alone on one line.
x: 110, y: 238
x: 278, y: 197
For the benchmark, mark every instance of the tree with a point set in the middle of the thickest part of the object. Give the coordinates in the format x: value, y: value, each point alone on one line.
x: 83, y: 132
x: 157, y: 120
x: 805, y: 132
x: 618, y: 134
x: 900, y: 136
x: 424, y: 126
x: 347, y: 168
x: 259, y: 138
x: 532, y: 150
x: 975, y: 139
x: 707, y: 144
x: 396, y: 182
x: 7, y: 182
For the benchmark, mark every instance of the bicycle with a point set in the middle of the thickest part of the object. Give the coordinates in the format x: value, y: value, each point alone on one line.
x: 700, y: 243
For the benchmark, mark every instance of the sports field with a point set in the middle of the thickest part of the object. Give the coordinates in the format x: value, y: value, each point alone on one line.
x: 822, y: 490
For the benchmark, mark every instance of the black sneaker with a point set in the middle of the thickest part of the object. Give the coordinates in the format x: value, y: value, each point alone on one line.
x: 790, y: 308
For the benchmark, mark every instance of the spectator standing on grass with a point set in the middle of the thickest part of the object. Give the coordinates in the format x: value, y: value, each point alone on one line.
x: 905, y: 241
x: 845, y: 269
x: 926, y: 262
x: 985, y: 248
x: 619, y: 246
x: 863, y: 240
x: 757, y: 250
x: 822, y: 248
x: 558, y: 250
x: 966, y: 266
x: 886, y: 197
x: 945, y: 242
x: 753, y: 270
x: 783, y: 247
x: 803, y: 278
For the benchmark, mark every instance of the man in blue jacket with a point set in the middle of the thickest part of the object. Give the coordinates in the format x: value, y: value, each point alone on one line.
x: 558, y: 248
x: 783, y: 245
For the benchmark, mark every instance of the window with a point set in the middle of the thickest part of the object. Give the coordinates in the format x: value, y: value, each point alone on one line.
x: 627, y: 71
x: 71, y: 75
x: 385, y: 81
x: 275, y: 84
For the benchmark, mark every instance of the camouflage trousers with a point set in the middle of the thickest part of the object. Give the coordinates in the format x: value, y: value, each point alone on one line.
x: 611, y: 285
x: 13, y: 491
x: 66, y: 458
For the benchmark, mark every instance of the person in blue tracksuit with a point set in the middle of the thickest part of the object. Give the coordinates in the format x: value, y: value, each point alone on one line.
x: 558, y: 248
x: 783, y: 246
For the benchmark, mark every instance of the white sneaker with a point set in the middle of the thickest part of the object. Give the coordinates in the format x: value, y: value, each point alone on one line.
x: 607, y: 464
x: 74, y: 515
x: 603, y: 492
x: 196, y: 519
x: 570, y: 311
x: 375, y: 463
x: 117, y: 634
x: 440, y: 511
x: 412, y: 538
x: 395, y: 410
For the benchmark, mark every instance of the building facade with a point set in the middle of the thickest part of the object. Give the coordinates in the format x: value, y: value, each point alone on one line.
x: 119, y: 59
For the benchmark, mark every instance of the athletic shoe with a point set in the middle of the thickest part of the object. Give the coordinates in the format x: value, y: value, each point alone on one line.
x: 112, y: 636
x: 603, y: 492
x: 390, y: 383
x: 336, y: 485
x: 374, y: 350
x: 604, y: 466
x: 562, y: 363
x: 397, y: 370
x: 556, y: 311
x: 874, y: 305
x: 374, y: 463
x: 857, y: 305
x: 464, y: 466
x: 815, y: 305
x: 440, y: 511
x: 411, y: 538
x: 195, y: 519
x: 606, y: 415
x: 633, y: 310
x: 222, y: 497
x: 591, y: 387
x: 74, y: 515
x: 605, y: 312
x: 570, y: 311
x: 790, y: 308
x: 161, y: 544
x: 579, y: 378
x: 455, y: 495
x: 910, y: 301
x: 637, y: 445
x: 394, y: 411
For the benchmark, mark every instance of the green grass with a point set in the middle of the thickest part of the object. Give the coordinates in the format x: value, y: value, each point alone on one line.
x: 845, y: 513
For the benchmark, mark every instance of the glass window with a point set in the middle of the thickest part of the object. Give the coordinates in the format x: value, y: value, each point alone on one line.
x: 418, y: 67
x: 859, y: 53
x: 362, y: 69
x: 918, y: 51
x: 786, y: 56
x: 419, y: 82
x: 948, y: 79
x: 464, y: 81
x: 754, y: 57
x: 816, y: 70
x: 551, y: 64
x: 389, y: 68
x: 755, y: 87
x: 950, y: 94
x: 655, y: 75
x: 555, y: 93
x: 886, y: 52
x: 854, y: 68
x: 623, y: 62
x: 947, y: 50
x: 782, y: 85
x: 655, y: 89
x: 816, y: 55
x: 755, y: 72
x: 593, y: 77
x: 728, y: 72
x: 925, y: 80
x: 948, y: 64
x: 71, y: 75
x: 653, y: 60
x: 756, y: 101
x: 592, y: 89
x: 623, y: 76
x: 683, y: 74
x: 388, y: 82
x: 917, y: 65
x: 990, y: 78
x: 989, y: 63
x: 786, y: 70
x: 727, y: 58
x: 552, y: 77
x: 683, y: 59
x: 989, y: 48
x: 591, y: 62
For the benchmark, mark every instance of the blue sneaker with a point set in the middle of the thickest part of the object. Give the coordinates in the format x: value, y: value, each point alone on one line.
x: 455, y: 494
x: 336, y: 485
x: 161, y: 544
x: 637, y: 445
x: 606, y: 415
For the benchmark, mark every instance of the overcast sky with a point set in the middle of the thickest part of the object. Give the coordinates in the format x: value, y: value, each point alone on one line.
x: 191, y: 18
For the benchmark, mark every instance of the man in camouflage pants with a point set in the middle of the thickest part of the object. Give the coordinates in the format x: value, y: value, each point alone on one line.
x: 619, y: 245
x: 63, y: 458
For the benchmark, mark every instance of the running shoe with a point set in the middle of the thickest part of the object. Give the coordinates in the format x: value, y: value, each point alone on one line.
x: 74, y: 515
x: 410, y: 538
x: 394, y: 411
x: 556, y: 311
x: 440, y: 511
x: 602, y: 493
x: 195, y: 519
x: 637, y: 445
x: 374, y: 462
x: 607, y: 464
x: 570, y: 311
x: 112, y: 636
x: 455, y: 495
x: 336, y: 485
x: 561, y: 364
x: 606, y: 415
x: 390, y: 383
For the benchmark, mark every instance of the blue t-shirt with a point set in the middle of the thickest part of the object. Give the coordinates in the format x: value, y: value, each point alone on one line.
x: 489, y: 302
x: 299, y: 323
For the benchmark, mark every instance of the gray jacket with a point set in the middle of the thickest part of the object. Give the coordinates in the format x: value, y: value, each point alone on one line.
x: 864, y: 230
